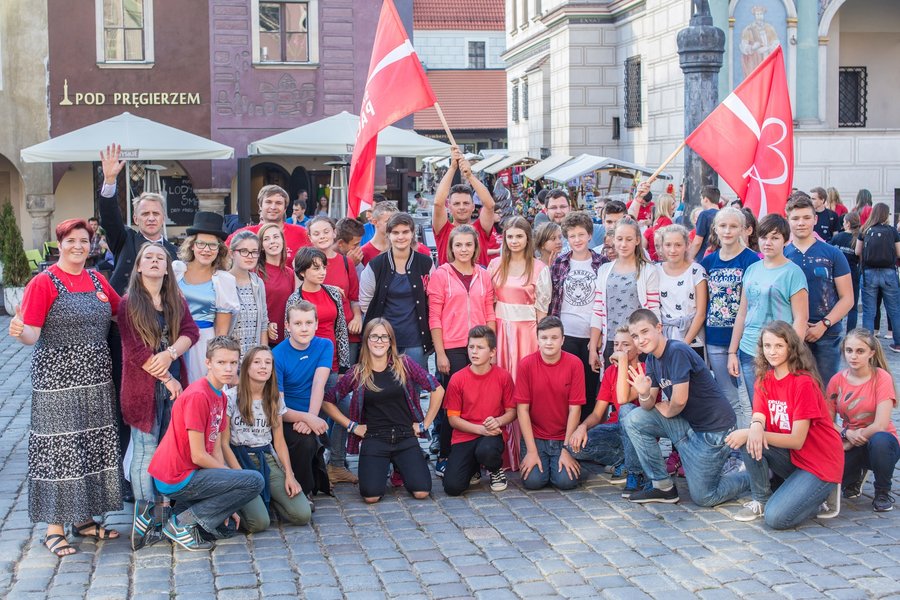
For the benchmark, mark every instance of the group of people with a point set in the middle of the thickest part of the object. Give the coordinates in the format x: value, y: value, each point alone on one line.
x: 234, y: 374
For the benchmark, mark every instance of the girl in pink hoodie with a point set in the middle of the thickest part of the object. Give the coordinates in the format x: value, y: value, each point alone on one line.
x: 460, y: 296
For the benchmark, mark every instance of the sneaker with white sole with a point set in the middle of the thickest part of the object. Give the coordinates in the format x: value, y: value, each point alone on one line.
x: 633, y: 483
x: 476, y: 478
x: 498, y: 480
x: 883, y: 502
x: 185, y: 536
x: 652, y: 494
x: 832, y: 505
x: 752, y: 511
x: 440, y: 467
x: 618, y: 475
x: 142, y: 524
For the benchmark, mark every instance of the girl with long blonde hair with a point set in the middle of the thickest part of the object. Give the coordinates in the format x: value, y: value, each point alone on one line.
x: 522, y: 291
x: 662, y: 217
x: 791, y: 433
x: 254, y: 440
x: 863, y: 396
x: 277, y: 276
x: 385, y: 413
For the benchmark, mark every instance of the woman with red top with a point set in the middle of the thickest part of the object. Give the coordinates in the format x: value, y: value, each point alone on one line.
x: 833, y: 201
x: 790, y: 433
x: 460, y: 297
x: 663, y: 211
x: 74, y: 469
x: 311, y: 266
x: 157, y: 329
x: 863, y: 395
x: 278, y: 277
x: 341, y: 273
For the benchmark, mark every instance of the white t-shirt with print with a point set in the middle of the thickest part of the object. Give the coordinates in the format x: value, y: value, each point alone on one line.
x: 677, y: 295
x: 578, y: 299
x: 258, y: 433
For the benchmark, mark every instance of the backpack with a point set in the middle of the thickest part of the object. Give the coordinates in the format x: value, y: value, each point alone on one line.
x: 878, y: 248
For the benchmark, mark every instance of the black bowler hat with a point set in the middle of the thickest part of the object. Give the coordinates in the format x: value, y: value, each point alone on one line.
x: 208, y: 222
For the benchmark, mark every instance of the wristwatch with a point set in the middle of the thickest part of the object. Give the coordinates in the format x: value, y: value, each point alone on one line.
x: 827, y: 322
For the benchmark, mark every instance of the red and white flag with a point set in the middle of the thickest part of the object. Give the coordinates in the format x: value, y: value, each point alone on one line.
x: 396, y: 87
x: 749, y: 138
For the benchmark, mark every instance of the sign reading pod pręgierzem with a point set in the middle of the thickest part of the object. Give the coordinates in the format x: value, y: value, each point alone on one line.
x: 135, y: 99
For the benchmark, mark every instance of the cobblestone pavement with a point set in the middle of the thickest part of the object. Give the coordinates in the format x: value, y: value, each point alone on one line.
x: 514, y: 544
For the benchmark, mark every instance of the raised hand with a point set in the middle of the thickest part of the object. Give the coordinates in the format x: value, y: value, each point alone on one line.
x: 112, y: 166
x: 639, y: 380
x: 17, y: 325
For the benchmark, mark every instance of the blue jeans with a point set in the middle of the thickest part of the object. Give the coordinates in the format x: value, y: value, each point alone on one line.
x: 880, y: 455
x: 702, y: 454
x: 827, y: 352
x: 604, y: 445
x: 853, y: 314
x: 748, y: 373
x: 548, y: 452
x: 886, y: 281
x: 718, y: 363
x: 796, y: 500
x: 143, y: 445
x: 336, y: 434
x: 212, y: 495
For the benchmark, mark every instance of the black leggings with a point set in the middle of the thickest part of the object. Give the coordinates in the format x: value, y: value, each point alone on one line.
x: 302, y: 448
x: 466, y: 459
x: 376, y: 455
x: 579, y: 347
x: 459, y: 360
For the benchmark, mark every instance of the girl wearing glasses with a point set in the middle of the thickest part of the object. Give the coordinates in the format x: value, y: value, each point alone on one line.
x: 251, y: 324
x: 211, y: 291
x: 278, y: 277
x: 385, y: 413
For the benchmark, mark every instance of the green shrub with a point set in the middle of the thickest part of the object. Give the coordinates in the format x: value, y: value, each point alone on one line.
x: 16, y: 270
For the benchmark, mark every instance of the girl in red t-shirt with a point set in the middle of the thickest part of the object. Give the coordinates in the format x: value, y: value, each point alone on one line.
x: 863, y: 395
x: 790, y: 433
x: 278, y: 278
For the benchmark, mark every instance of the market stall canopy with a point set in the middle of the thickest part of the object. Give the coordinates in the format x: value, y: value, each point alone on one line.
x: 483, y: 164
x: 510, y: 161
x: 336, y: 135
x: 587, y: 163
x: 554, y: 161
x: 442, y: 162
x: 141, y: 139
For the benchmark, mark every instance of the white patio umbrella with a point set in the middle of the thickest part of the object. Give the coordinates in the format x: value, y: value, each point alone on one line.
x: 336, y: 136
x: 141, y: 139
x: 587, y: 163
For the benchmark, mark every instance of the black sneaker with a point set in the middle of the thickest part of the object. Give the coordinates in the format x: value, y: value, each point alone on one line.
x: 498, y: 480
x: 634, y: 482
x: 895, y: 347
x: 883, y: 501
x: 142, y: 524
x: 652, y: 494
x: 185, y: 536
x: 854, y: 490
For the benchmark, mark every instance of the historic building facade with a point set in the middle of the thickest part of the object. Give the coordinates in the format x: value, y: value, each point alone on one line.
x: 603, y: 77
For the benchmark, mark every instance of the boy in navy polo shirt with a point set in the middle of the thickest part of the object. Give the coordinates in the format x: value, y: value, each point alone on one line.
x: 830, y: 287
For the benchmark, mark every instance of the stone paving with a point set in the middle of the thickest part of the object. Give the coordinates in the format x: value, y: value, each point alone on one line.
x: 513, y: 544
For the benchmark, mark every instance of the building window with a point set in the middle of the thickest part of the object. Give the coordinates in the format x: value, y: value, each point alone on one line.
x: 477, y: 55
x: 124, y: 31
x: 515, y: 102
x: 852, y: 94
x: 286, y: 32
x: 633, y: 92
x: 525, y: 99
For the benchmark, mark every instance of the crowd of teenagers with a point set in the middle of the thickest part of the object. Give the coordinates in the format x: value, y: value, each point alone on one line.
x: 232, y: 376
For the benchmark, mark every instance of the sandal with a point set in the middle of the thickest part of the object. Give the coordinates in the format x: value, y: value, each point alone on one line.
x: 59, y: 545
x: 96, y: 531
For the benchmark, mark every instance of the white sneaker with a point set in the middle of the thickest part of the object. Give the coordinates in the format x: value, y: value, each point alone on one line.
x: 752, y: 510
x: 832, y: 505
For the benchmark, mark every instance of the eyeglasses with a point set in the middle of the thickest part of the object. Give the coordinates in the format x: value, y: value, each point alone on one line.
x: 374, y: 337
x: 207, y: 245
x: 245, y: 252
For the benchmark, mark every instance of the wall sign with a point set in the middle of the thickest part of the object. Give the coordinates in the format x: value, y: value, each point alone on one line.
x: 181, y: 203
x: 135, y: 99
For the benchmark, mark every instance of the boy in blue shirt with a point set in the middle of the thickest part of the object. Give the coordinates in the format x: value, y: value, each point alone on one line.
x: 302, y: 364
x: 830, y: 287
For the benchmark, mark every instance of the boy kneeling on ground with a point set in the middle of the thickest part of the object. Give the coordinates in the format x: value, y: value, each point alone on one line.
x: 189, y: 465
x: 479, y: 405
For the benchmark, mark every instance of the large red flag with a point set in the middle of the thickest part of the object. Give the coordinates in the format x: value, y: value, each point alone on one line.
x: 396, y: 87
x: 749, y: 138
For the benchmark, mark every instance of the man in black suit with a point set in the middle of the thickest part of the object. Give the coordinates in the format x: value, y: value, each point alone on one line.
x: 124, y: 242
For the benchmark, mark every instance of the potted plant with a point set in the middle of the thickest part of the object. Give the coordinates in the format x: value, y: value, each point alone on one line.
x: 16, y: 270
x: 6, y: 217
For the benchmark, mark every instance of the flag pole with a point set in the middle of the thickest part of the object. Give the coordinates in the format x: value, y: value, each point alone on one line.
x: 666, y: 162
x: 440, y: 114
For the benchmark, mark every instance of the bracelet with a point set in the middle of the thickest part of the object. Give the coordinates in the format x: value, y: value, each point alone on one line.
x: 643, y: 399
x: 421, y: 426
x: 172, y: 352
x: 758, y: 422
x: 730, y: 352
x: 167, y: 380
x: 351, y: 426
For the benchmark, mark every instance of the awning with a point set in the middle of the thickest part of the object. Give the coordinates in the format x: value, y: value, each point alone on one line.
x: 510, y: 161
x: 141, y: 139
x: 554, y: 161
x: 482, y: 164
x: 442, y: 162
x: 336, y: 136
x: 587, y: 163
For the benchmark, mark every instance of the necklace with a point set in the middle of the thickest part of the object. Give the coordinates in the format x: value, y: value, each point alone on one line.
x: 66, y: 274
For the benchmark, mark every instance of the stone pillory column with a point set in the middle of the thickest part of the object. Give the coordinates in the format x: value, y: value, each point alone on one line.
x: 700, y: 49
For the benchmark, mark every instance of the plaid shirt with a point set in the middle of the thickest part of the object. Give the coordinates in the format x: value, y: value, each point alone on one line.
x: 558, y: 273
x: 416, y: 377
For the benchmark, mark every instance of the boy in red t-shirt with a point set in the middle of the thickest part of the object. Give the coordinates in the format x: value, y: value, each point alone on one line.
x: 479, y: 405
x: 189, y: 466
x: 549, y: 395
x: 601, y: 438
